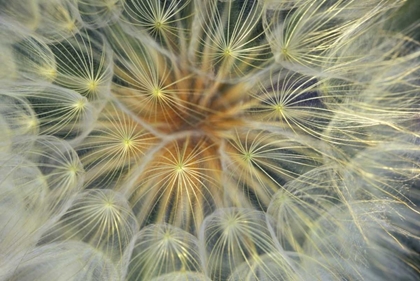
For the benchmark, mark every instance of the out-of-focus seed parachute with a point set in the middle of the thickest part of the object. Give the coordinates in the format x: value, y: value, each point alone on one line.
x: 208, y: 140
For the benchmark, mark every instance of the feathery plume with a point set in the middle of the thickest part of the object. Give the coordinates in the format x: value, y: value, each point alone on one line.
x: 208, y: 140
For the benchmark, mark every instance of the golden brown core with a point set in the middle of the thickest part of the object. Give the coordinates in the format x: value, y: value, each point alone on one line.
x: 187, y: 102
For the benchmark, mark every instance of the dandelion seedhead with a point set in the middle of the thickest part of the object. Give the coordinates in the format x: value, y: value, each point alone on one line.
x: 208, y: 140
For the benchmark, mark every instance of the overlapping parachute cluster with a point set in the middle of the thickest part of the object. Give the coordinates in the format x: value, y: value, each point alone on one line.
x: 208, y: 140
